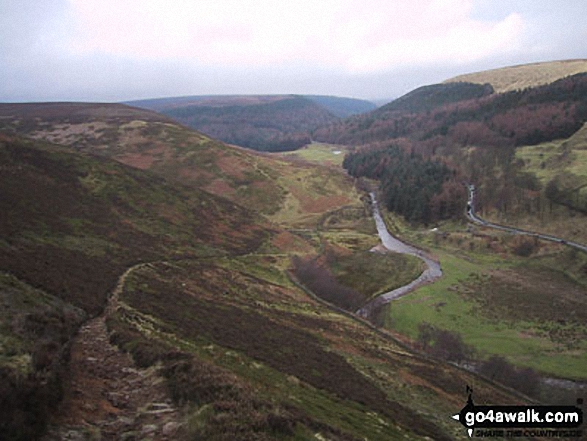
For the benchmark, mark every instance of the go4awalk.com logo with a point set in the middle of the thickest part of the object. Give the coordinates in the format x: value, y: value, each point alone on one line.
x: 520, y: 421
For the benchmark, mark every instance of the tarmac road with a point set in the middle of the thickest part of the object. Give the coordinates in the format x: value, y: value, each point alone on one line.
x: 480, y: 221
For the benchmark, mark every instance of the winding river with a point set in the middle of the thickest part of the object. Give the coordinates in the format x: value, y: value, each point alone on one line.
x: 432, y: 272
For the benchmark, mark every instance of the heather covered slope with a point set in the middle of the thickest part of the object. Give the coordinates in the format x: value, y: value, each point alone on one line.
x: 246, y: 353
x: 71, y: 224
x: 292, y: 193
x: 300, y: 368
x: 100, y: 213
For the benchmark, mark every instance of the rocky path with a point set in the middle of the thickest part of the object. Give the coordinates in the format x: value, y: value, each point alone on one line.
x: 107, y: 397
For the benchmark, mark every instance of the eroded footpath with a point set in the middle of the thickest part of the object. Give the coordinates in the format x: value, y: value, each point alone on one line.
x: 107, y: 397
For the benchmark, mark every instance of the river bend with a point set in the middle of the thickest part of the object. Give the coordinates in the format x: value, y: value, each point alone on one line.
x: 432, y: 272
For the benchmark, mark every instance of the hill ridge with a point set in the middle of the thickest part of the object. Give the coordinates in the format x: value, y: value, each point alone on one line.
x: 521, y: 76
x: 261, y: 122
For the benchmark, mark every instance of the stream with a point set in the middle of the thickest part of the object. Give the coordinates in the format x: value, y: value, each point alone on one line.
x: 432, y: 272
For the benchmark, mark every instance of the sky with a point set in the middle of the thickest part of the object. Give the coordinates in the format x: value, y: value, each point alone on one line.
x: 117, y: 50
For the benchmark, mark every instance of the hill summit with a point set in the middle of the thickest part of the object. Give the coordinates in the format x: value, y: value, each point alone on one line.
x: 511, y: 78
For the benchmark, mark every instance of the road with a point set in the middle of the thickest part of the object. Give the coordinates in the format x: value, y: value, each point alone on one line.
x: 432, y: 272
x: 480, y: 221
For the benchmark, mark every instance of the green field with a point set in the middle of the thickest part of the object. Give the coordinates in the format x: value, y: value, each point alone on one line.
x: 562, y: 157
x: 558, y: 208
x: 520, y: 308
x: 321, y: 153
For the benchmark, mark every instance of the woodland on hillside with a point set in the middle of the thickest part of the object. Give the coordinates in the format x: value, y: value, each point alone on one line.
x: 278, y: 125
x: 422, y: 190
x: 449, y: 135
x: 437, y: 117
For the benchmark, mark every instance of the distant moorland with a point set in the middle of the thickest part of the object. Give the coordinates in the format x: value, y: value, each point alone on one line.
x: 222, y: 281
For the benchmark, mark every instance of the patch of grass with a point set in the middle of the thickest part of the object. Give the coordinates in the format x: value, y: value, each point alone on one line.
x: 502, y: 311
x: 350, y: 240
x: 563, y: 162
x: 372, y: 274
x: 523, y: 76
x: 266, y: 267
x: 312, y: 192
x: 321, y: 153
x: 353, y: 219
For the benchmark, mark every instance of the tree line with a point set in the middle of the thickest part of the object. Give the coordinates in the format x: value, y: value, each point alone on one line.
x: 464, y: 114
x: 421, y: 189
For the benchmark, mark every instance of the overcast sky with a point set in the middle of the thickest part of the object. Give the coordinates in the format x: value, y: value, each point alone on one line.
x: 114, y: 50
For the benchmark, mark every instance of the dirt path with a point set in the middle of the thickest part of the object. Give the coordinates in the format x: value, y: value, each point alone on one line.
x: 106, y: 396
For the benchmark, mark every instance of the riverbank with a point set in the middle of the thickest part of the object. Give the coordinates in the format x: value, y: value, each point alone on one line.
x: 432, y: 272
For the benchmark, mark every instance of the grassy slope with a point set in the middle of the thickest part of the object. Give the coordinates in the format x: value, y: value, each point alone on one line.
x: 521, y: 77
x: 564, y: 161
x: 526, y: 309
x: 295, y: 193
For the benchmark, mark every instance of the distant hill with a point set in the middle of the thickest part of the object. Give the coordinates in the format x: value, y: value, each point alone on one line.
x: 471, y: 114
x: 147, y: 140
x: 342, y: 107
x: 429, y: 97
x: 259, y: 122
x: 244, y: 351
x: 511, y: 78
